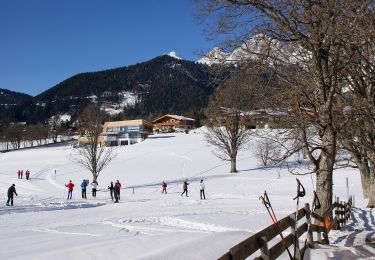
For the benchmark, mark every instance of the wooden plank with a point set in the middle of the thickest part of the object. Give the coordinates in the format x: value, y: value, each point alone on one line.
x: 226, y: 256
x: 265, y: 252
x: 247, y: 247
x: 317, y: 217
x: 280, y: 248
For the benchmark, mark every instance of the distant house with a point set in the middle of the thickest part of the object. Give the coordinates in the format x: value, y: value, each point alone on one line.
x: 171, y: 123
x: 126, y: 132
x: 265, y: 118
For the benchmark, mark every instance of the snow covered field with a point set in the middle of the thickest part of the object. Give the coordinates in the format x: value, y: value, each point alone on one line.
x: 146, y: 224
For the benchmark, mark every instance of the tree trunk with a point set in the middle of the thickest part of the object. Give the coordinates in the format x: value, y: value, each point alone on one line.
x: 325, y: 171
x: 365, y: 177
x: 233, y: 165
x: 371, y: 185
x: 364, y: 169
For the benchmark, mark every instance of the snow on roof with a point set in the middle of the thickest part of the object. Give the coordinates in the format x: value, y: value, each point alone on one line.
x: 181, y: 117
x: 175, y: 117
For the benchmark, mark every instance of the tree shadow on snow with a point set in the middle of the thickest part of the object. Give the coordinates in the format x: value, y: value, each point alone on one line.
x: 161, y: 137
x: 51, y: 206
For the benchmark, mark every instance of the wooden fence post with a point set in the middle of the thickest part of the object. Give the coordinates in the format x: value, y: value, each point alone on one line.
x: 343, y: 212
x: 265, y: 253
x: 292, y: 221
x: 337, y: 211
x: 310, y: 240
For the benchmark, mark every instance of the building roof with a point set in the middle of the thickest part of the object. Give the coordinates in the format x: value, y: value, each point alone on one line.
x: 126, y: 123
x: 175, y: 117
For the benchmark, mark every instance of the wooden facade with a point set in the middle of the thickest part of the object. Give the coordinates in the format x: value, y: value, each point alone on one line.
x: 171, y: 123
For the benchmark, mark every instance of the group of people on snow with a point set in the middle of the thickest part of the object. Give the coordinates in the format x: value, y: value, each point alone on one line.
x: 84, y: 184
x: 20, y: 174
x: 185, y: 185
x: 113, y: 188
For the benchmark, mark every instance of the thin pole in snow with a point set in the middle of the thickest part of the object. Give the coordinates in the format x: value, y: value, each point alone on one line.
x: 347, y: 187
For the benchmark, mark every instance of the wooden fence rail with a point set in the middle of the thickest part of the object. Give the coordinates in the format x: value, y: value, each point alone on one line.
x: 314, y: 223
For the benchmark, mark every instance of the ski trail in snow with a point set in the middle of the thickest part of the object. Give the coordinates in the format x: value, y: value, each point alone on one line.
x: 52, y: 231
x: 169, y: 225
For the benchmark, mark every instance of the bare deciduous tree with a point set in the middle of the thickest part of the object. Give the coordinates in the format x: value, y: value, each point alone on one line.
x: 226, y: 126
x: 315, y: 34
x: 93, y: 155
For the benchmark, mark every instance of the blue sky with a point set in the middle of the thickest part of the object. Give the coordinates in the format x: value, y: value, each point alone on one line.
x: 43, y: 42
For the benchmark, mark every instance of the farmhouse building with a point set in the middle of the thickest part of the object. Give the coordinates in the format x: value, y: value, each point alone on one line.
x: 172, y: 123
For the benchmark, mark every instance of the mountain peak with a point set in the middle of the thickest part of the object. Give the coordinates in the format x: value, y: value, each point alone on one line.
x: 173, y: 54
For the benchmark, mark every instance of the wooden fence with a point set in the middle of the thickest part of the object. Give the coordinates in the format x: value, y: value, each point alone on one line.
x: 314, y: 223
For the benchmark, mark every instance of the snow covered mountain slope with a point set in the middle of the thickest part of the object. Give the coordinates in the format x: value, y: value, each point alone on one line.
x: 146, y: 224
x: 251, y: 49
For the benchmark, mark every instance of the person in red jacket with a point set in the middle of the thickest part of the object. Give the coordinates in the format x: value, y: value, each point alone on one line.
x: 164, y: 186
x: 117, y: 191
x: 19, y: 174
x: 70, y: 187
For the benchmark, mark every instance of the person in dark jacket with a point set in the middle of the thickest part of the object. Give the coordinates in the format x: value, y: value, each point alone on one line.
x: 117, y: 191
x: 27, y: 175
x: 185, y: 187
x: 84, y: 187
x: 111, y: 187
x: 11, y: 191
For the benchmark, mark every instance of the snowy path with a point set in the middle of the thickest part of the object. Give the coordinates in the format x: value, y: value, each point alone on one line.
x: 355, y: 241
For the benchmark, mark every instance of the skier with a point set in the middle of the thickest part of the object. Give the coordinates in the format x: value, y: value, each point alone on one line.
x: 111, y: 188
x: 185, y: 187
x: 83, y: 187
x: 21, y: 173
x: 11, y: 190
x: 70, y: 187
x: 164, y: 186
x: 27, y: 175
x: 202, y: 186
x: 117, y: 191
x: 94, y: 185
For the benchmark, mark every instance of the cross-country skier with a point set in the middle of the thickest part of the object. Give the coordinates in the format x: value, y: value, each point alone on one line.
x: 111, y: 187
x: 202, y: 186
x: 84, y: 187
x: 11, y: 191
x: 164, y: 186
x: 70, y: 187
x: 94, y: 185
x: 21, y: 173
x: 185, y: 187
x: 117, y: 191
x: 27, y: 175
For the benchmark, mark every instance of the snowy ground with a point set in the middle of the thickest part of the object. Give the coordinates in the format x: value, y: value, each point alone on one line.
x: 148, y: 224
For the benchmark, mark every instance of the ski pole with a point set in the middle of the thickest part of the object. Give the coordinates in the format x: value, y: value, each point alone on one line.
x: 271, y: 212
x: 300, y: 193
